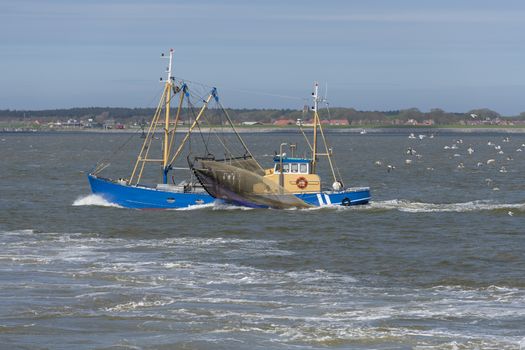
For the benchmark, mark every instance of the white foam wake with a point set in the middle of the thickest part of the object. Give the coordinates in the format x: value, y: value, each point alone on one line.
x: 195, y: 207
x: 419, y: 207
x: 94, y: 199
x: 219, y: 205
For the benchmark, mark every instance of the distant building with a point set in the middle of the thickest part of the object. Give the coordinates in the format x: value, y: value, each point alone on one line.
x: 332, y: 122
x: 338, y: 122
x: 109, y: 124
x: 427, y: 122
x: 72, y: 123
x: 251, y: 123
x: 284, y: 122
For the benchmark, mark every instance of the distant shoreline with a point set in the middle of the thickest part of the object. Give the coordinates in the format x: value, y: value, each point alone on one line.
x: 352, y: 130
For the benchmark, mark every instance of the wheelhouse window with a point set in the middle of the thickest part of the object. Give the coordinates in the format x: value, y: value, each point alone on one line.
x: 294, y: 168
x: 303, y: 168
x: 277, y: 169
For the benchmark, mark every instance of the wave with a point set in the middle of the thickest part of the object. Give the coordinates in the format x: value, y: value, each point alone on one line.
x: 409, y: 206
x: 196, y: 207
x: 94, y: 199
x: 218, y: 205
x: 146, y: 302
x: 17, y: 232
x: 420, y: 207
x: 402, y: 205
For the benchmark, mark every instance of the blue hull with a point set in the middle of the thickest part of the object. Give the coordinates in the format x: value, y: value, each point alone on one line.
x: 351, y: 196
x: 141, y: 197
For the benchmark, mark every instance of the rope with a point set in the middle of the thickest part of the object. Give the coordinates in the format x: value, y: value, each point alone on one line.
x: 238, y: 136
x: 335, y: 164
x: 253, y: 92
x: 105, y: 162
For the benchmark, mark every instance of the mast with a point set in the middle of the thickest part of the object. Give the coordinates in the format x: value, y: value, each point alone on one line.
x: 317, y: 125
x: 315, y: 97
x: 157, y: 122
x: 167, y: 96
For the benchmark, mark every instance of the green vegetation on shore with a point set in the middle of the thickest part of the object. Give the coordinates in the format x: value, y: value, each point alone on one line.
x: 112, y: 117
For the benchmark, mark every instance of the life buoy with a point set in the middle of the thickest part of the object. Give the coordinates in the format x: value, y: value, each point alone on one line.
x: 301, y: 182
x: 345, y: 202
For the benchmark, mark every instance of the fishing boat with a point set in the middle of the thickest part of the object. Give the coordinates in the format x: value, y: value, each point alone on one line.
x: 292, y: 182
x: 131, y: 192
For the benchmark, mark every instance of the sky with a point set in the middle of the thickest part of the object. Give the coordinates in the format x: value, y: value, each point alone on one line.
x: 456, y: 55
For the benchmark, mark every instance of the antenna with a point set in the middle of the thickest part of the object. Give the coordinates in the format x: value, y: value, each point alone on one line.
x: 315, y: 96
x: 168, y: 69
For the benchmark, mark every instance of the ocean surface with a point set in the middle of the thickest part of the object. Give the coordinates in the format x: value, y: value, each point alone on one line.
x: 436, y: 261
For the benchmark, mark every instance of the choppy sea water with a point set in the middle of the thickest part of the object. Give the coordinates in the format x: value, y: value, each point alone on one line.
x: 434, y: 262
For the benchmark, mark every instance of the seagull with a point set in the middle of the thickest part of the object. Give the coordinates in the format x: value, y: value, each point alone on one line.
x: 498, y: 147
x: 460, y: 166
x: 518, y: 150
x: 408, y: 161
x: 510, y: 213
x: 503, y: 169
x: 389, y: 168
x: 490, y: 161
x: 479, y: 164
x: 470, y: 150
x: 490, y: 143
x: 378, y: 163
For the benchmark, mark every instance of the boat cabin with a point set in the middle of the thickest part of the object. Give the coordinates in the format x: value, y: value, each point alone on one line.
x: 296, y: 175
x: 292, y: 165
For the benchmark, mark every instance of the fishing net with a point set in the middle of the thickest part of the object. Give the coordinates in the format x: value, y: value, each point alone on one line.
x: 242, y: 181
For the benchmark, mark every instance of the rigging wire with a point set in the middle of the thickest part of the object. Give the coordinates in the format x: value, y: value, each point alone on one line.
x: 201, y: 133
x: 237, y: 134
x: 225, y: 143
x: 104, y: 163
x: 334, y: 162
x: 216, y: 131
x: 253, y: 92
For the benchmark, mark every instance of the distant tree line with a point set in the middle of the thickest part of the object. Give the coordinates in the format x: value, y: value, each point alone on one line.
x: 355, y: 117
